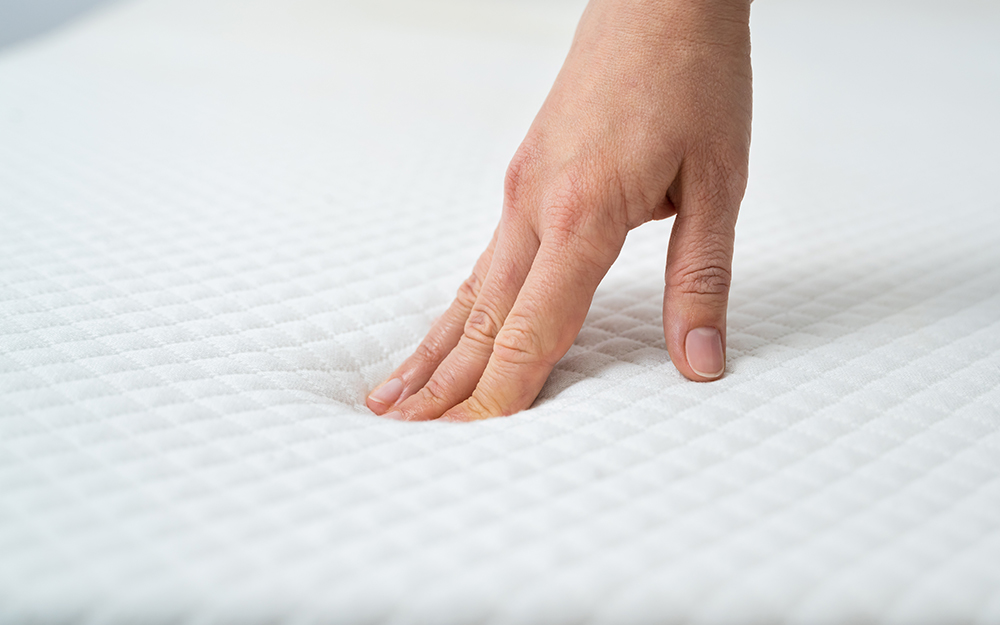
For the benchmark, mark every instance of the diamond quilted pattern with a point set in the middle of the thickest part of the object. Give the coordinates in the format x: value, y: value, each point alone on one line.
x: 224, y: 222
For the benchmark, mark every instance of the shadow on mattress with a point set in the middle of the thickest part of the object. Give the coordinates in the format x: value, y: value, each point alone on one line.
x: 835, y: 316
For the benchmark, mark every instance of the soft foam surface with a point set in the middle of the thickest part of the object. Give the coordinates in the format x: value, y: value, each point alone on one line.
x: 224, y: 222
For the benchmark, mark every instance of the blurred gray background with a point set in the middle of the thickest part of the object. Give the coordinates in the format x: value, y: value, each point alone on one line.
x: 23, y: 19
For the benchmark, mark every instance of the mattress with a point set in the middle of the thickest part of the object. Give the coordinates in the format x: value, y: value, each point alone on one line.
x: 224, y: 222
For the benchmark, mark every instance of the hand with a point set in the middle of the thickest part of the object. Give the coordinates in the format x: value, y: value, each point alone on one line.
x: 648, y: 118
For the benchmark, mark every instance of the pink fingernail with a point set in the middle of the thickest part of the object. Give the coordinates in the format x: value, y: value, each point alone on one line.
x: 703, y: 348
x: 388, y: 392
x: 395, y: 415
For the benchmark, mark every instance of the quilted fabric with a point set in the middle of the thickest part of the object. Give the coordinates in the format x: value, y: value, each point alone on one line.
x: 223, y: 222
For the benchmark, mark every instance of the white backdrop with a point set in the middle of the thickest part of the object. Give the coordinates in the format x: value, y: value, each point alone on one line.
x: 23, y: 19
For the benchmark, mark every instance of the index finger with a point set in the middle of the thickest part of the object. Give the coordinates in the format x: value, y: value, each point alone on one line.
x: 544, y: 321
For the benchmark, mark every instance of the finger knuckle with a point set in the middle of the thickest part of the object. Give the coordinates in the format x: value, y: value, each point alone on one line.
x: 468, y: 291
x: 482, y: 325
x: 564, y: 220
x: 483, y: 406
x: 519, y: 172
x: 435, y: 391
x: 568, y: 203
x: 713, y: 278
x: 517, y: 343
x: 582, y: 212
x: 592, y: 247
x: 428, y: 352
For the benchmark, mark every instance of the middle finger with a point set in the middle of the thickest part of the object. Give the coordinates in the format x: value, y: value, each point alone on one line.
x: 457, y: 376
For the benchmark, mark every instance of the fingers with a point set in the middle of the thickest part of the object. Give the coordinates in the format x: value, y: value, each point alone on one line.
x: 459, y: 372
x: 443, y: 336
x: 696, y: 296
x: 541, y: 327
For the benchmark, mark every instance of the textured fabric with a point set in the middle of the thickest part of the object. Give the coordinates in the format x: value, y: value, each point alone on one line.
x: 223, y: 222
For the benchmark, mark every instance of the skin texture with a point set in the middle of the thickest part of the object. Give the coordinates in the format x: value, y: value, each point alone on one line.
x: 649, y: 118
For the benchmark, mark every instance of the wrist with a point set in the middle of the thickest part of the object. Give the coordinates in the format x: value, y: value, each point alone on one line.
x: 696, y: 21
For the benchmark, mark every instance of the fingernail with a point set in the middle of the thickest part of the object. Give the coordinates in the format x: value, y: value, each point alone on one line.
x: 388, y: 392
x: 703, y: 348
x: 395, y: 415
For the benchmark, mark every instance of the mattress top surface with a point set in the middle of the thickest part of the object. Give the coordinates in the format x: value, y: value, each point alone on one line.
x: 223, y: 223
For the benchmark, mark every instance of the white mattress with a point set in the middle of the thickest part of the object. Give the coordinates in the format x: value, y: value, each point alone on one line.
x: 223, y: 222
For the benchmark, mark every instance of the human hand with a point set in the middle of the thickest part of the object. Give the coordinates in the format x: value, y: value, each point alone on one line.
x: 648, y: 118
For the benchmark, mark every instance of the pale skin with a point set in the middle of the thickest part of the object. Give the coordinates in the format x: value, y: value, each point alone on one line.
x: 648, y: 118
